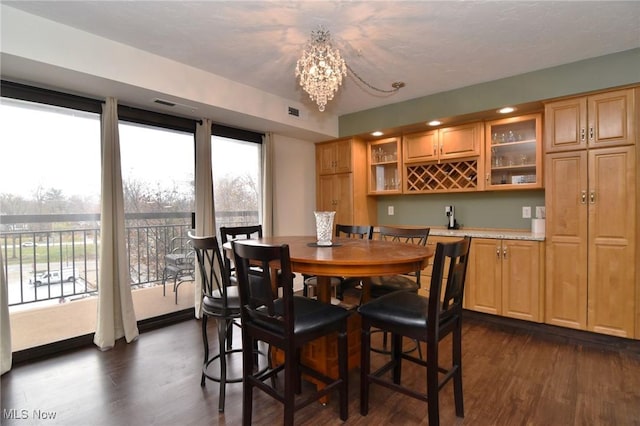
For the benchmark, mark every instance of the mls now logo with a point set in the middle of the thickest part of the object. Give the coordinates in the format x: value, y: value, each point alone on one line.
x: 22, y: 414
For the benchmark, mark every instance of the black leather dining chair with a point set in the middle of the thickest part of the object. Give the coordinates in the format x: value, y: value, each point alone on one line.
x: 230, y: 233
x: 287, y: 323
x: 220, y: 300
x: 426, y: 319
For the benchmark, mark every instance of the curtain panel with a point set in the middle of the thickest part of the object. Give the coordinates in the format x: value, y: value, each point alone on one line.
x: 5, y: 325
x: 116, y: 316
x: 205, y: 220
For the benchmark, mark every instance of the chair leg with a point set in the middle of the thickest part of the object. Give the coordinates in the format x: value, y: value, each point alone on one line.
x: 222, y: 337
x: 247, y: 386
x: 229, y: 334
x: 290, y: 378
x: 433, y: 406
x: 396, y: 356
x: 365, y: 367
x: 457, y: 377
x: 205, y: 342
x: 343, y: 360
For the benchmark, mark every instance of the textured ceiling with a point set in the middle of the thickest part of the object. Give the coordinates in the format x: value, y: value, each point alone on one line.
x: 431, y: 46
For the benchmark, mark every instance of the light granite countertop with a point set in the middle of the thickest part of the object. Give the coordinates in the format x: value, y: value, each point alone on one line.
x: 487, y: 233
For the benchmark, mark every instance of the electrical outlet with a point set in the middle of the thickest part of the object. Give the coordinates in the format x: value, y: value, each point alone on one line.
x: 526, y: 212
x: 540, y: 212
x: 390, y: 211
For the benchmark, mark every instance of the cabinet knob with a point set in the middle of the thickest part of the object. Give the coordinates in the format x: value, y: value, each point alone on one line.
x: 498, y: 252
x: 583, y: 197
x: 504, y: 253
x: 592, y: 197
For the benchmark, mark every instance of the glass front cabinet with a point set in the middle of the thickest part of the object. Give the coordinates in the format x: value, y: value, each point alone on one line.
x: 513, y: 157
x: 384, y: 171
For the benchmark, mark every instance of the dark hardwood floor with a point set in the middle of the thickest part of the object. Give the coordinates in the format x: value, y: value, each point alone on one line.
x: 512, y: 376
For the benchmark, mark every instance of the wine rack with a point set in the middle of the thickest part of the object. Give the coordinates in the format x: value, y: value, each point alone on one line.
x: 442, y: 177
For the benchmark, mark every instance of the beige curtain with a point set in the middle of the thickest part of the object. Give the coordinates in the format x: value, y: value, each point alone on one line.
x: 116, y: 316
x: 267, y: 184
x: 205, y: 220
x: 5, y: 325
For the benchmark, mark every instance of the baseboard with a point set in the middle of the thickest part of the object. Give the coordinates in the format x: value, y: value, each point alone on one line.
x: 552, y: 332
x: 56, y: 348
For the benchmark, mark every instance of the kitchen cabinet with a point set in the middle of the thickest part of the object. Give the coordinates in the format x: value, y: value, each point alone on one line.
x: 591, y: 200
x: 344, y: 192
x: 384, y: 171
x: 443, y: 144
x: 599, y: 120
x: 334, y: 157
x: 504, y: 277
x: 513, y: 155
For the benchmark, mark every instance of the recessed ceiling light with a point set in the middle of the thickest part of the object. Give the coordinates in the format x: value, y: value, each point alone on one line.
x: 434, y: 123
x: 506, y: 110
x: 377, y: 133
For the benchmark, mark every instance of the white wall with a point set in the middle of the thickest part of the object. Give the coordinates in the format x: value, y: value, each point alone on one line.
x: 294, y: 186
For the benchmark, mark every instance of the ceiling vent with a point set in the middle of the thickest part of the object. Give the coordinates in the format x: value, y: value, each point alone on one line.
x: 294, y: 111
x: 163, y: 102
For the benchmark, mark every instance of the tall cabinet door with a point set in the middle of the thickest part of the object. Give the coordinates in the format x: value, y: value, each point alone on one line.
x: 335, y: 194
x: 565, y: 125
x: 483, y: 290
x: 612, y: 217
x: 611, y: 120
x: 566, y: 198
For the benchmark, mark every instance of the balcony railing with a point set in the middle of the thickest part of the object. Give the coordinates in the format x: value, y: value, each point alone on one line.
x: 55, y: 257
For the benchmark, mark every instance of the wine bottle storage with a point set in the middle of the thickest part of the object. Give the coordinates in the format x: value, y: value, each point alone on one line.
x: 442, y: 177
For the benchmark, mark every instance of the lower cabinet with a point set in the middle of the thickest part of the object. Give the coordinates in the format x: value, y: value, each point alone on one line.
x: 505, y: 278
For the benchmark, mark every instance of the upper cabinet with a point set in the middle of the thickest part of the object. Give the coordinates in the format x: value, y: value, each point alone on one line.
x: 603, y: 119
x: 384, y: 172
x: 334, y: 157
x: 513, y: 157
x: 447, y: 143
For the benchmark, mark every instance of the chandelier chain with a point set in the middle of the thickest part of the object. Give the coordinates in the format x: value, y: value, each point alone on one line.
x: 396, y: 87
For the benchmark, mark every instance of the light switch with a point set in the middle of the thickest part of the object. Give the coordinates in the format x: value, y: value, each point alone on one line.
x: 390, y: 211
x: 526, y: 212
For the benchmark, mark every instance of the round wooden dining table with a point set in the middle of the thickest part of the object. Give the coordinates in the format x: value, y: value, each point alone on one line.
x: 349, y: 257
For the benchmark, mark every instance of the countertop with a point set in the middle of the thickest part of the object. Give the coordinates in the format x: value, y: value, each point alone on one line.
x: 487, y: 233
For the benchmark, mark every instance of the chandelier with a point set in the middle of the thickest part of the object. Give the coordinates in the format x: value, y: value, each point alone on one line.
x: 320, y: 68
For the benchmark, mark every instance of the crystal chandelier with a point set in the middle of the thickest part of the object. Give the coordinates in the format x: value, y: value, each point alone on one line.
x: 320, y: 68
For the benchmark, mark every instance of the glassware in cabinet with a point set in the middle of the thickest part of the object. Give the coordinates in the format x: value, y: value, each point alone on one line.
x: 513, y: 155
x: 383, y: 166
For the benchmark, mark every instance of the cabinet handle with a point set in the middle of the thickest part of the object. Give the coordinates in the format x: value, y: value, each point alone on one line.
x: 487, y: 178
x: 504, y: 253
x: 583, y: 197
x: 583, y: 134
x: 435, y: 149
x: 441, y: 148
x: 498, y: 252
x: 592, y: 197
x: 591, y: 133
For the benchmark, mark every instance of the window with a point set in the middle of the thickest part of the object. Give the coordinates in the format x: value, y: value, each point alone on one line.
x: 159, y: 196
x: 237, y: 181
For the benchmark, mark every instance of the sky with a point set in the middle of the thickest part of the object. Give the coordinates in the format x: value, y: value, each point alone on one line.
x: 36, y: 149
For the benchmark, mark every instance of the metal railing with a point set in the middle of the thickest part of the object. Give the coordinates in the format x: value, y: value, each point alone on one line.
x: 55, y: 257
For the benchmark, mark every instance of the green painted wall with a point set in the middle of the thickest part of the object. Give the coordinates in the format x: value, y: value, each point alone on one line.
x: 603, y: 72
x: 499, y: 209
